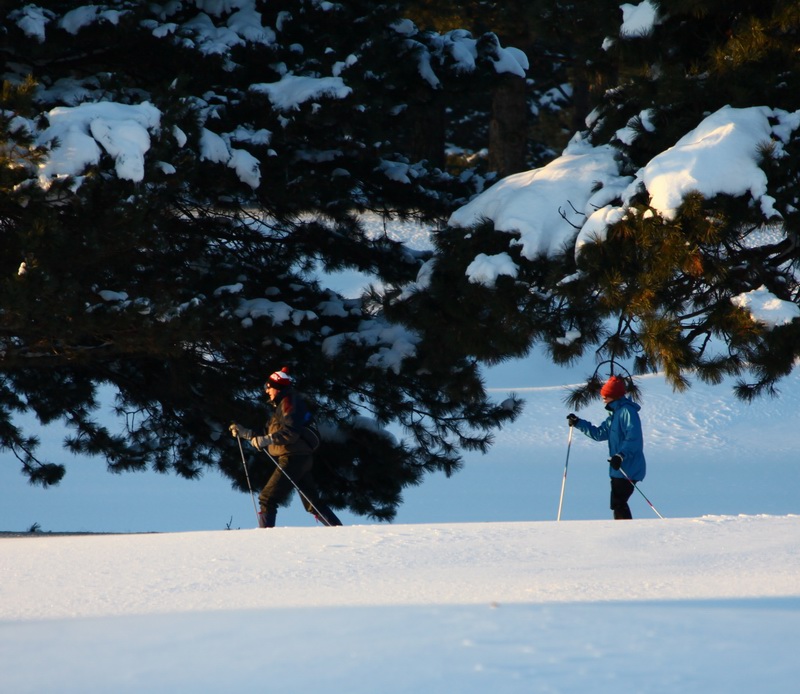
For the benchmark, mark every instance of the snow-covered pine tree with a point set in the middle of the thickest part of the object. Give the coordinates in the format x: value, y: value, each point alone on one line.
x: 669, y: 281
x: 655, y: 286
x: 175, y: 177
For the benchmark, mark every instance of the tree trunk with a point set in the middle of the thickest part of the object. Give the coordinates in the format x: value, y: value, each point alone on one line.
x: 427, y: 130
x: 508, y: 128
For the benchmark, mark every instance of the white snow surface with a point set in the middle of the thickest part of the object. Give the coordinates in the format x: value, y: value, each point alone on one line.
x: 708, y: 604
x: 293, y: 90
x: 546, y: 204
x: 765, y: 307
x: 638, y: 20
x: 80, y: 131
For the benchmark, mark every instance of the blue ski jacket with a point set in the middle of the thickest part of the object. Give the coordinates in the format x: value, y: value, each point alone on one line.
x: 623, y: 431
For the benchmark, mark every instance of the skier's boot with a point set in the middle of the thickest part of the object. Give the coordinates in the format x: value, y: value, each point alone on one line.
x: 325, y: 516
x: 267, y: 518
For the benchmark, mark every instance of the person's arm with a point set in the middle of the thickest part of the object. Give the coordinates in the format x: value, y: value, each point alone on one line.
x: 598, y: 433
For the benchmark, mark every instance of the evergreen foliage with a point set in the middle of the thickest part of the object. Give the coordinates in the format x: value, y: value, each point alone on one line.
x: 655, y: 293
x: 565, y: 72
x: 177, y: 293
x: 668, y: 283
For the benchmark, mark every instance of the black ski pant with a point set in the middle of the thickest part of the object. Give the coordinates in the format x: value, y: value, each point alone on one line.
x: 621, y: 490
x: 291, y: 469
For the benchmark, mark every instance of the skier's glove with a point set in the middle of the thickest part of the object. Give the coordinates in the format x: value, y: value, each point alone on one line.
x: 615, y: 461
x: 238, y: 431
x: 572, y: 419
x: 260, y: 442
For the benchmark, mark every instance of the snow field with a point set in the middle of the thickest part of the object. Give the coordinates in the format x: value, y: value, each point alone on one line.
x: 691, y: 605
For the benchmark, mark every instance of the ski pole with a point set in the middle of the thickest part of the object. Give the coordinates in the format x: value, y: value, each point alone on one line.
x: 564, y: 479
x: 641, y: 492
x: 319, y: 515
x: 247, y: 477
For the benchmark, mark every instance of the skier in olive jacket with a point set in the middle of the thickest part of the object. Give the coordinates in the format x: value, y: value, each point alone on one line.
x: 623, y: 431
x: 290, y: 444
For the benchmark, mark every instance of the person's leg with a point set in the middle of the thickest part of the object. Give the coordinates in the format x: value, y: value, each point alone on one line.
x: 621, y: 490
x: 267, y: 517
x: 275, y: 492
x: 322, y: 512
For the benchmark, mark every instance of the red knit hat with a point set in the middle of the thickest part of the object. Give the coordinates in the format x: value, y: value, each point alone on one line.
x: 613, y: 388
x: 279, y: 379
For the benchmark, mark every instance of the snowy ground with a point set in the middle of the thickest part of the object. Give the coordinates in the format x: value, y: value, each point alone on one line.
x: 474, y: 588
x: 682, y: 605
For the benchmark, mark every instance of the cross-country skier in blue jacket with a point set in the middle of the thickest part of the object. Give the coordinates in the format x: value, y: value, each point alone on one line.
x: 623, y: 431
